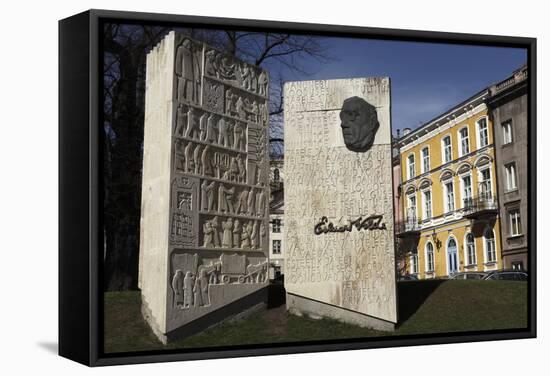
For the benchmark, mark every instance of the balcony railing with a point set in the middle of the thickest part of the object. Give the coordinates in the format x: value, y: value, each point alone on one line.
x: 483, y: 205
x: 408, y: 227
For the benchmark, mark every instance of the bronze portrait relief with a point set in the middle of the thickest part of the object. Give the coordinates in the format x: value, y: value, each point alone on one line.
x: 359, y: 124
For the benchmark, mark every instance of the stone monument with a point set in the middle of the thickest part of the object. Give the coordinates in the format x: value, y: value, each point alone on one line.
x: 339, y: 228
x: 202, y: 255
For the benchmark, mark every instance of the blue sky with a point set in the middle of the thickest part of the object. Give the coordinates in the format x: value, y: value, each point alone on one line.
x: 426, y: 78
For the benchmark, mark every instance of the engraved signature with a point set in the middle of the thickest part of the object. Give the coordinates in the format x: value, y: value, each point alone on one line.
x: 373, y: 222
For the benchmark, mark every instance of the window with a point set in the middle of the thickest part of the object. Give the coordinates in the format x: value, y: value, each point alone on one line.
x: 511, y: 176
x: 425, y: 160
x: 450, y: 197
x: 429, y: 257
x: 427, y: 195
x: 411, y: 212
x: 515, y: 222
x: 517, y: 265
x: 467, y: 190
x: 507, y: 132
x: 483, y: 132
x: 276, y: 247
x: 276, y: 225
x: 471, y: 249
x: 464, y: 142
x: 276, y: 175
x: 447, y: 149
x: 485, y: 190
x: 414, y: 262
x: 410, y: 162
x: 490, y: 246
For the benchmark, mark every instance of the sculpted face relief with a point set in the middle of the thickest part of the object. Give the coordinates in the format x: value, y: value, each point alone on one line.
x: 359, y: 124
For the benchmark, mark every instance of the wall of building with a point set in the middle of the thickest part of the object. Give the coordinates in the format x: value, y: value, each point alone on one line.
x: 441, y: 222
x: 513, y: 108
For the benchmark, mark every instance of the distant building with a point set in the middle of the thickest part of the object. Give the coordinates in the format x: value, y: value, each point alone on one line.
x: 276, y: 212
x: 450, y: 220
x: 508, y: 106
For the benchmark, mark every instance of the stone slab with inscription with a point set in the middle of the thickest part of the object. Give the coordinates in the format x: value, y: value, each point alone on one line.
x: 204, y: 213
x: 339, y: 228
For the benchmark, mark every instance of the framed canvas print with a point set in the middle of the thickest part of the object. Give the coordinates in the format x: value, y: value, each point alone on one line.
x: 242, y: 187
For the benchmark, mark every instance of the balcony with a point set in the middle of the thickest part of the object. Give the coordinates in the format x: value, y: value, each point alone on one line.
x: 480, y: 207
x: 407, y: 228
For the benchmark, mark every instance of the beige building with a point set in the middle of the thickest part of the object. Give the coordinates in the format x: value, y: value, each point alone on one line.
x: 276, y: 212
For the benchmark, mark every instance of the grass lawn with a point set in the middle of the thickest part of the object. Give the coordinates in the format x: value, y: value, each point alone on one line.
x: 424, y: 307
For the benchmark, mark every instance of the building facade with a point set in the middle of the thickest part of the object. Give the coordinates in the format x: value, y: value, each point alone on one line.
x: 276, y: 213
x: 508, y: 106
x: 450, y: 218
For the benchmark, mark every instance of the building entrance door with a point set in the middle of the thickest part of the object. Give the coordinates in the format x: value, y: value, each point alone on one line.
x: 452, y: 256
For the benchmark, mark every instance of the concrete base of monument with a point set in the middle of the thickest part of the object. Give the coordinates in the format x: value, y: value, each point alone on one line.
x: 299, y: 306
x: 237, y: 310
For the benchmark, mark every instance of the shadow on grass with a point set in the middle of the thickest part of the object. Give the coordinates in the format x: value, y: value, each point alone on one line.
x: 412, y: 294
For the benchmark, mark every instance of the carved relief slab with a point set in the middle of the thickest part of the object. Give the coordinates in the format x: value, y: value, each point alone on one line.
x: 338, y: 201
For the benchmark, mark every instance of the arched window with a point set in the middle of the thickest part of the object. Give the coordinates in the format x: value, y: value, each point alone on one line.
x: 276, y: 175
x: 429, y: 257
x: 414, y: 261
x: 452, y: 256
x: 470, y: 249
x: 490, y: 247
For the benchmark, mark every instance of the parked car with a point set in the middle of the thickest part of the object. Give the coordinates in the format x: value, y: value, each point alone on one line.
x: 507, y: 275
x: 470, y: 275
x: 408, y: 277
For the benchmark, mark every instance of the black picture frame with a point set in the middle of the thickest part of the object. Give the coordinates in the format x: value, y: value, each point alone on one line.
x: 80, y: 247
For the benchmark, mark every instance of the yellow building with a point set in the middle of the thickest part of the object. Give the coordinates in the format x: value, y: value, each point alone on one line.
x: 448, y: 190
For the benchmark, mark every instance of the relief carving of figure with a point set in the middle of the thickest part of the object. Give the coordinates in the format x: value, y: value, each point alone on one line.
x: 246, y: 76
x: 227, y: 240
x: 245, y: 239
x: 216, y: 238
x: 237, y: 234
x: 206, y: 195
x: 203, y: 125
x: 177, y: 287
x: 253, y: 80
x: 188, y: 72
x: 242, y: 170
x: 210, y: 194
x: 263, y: 83
x: 226, y: 69
x: 260, y: 208
x: 205, y: 161
x: 188, y: 290
x: 242, y: 207
x: 230, y: 108
x: 212, y: 63
x: 233, y: 169
x: 237, y: 136
x: 225, y: 199
x: 189, y: 157
x: 359, y: 124
x: 201, y: 290
x: 208, y: 231
x: 179, y: 150
x: 255, y: 112
x: 254, y: 236
x: 223, y: 138
x: 193, y: 124
x: 211, y: 128
x: 262, y: 234
x: 181, y: 120
x: 197, y: 159
x: 240, y: 108
x: 251, y: 202
x: 264, y: 114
